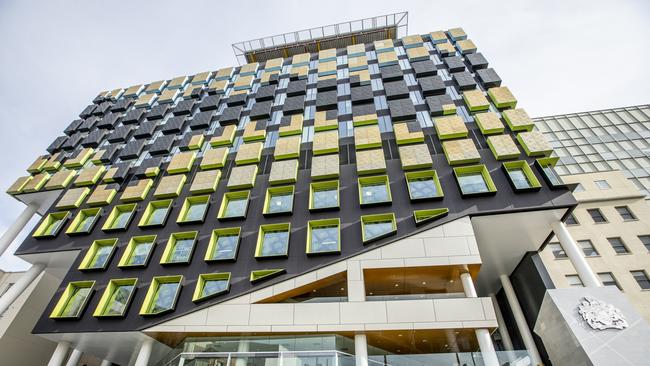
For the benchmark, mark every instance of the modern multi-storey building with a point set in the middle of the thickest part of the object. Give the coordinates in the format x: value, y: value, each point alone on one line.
x: 349, y: 195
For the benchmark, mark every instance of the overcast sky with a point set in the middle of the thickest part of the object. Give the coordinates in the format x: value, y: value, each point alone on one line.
x: 55, y: 56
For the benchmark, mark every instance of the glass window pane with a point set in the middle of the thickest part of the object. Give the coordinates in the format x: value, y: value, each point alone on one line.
x: 280, y: 202
x: 140, y: 253
x: 75, y: 302
x: 118, y: 300
x: 211, y: 287
x: 373, y: 193
x: 519, y: 178
x: 182, y: 250
x: 164, y: 297
x: 422, y: 188
x: 275, y: 242
x: 195, y: 211
x: 472, y: 183
x: 324, y: 238
x: 327, y: 197
x: 101, y: 256
x: 377, y: 228
x: 225, y: 247
x: 236, y: 207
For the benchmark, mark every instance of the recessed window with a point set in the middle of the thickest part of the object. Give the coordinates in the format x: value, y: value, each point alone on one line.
x: 423, y: 185
x: 557, y: 250
x: 374, y: 190
x: 323, y: 237
x: 84, y: 222
x: 474, y: 180
x: 224, y: 244
x: 116, y: 298
x: 574, y: 281
x: 422, y: 217
x: 571, y: 220
x: 625, y: 213
x: 375, y: 227
x: 278, y: 200
x: 138, y: 251
x: 162, y: 295
x: 194, y: 210
x: 645, y: 240
x: 602, y: 184
x: 265, y: 274
x: 120, y: 217
x: 521, y: 177
x: 596, y: 215
x: 588, y: 248
x: 642, y: 279
x: 324, y: 195
x: 98, y: 255
x: 234, y: 205
x: 546, y: 166
x: 51, y: 225
x: 273, y: 241
x: 210, y: 285
x: 618, y: 245
x: 156, y: 213
x: 73, y: 300
x: 607, y: 278
x: 180, y: 247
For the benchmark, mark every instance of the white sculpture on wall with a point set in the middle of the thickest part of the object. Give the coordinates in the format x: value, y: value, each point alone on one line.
x: 600, y: 315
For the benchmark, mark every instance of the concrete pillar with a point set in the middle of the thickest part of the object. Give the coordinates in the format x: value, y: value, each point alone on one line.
x: 356, y: 285
x: 576, y: 256
x: 106, y: 363
x: 242, y: 347
x: 452, y: 342
x: 360, y: 349
x: 482, y: 335
x: 59, y: 354
x: 19, y: 287
x: 144, y: 353
x: 17, y: 226
x: 503, y: 330
x: 522, y: 326
x: 468, y: 284
x: 74, y: 358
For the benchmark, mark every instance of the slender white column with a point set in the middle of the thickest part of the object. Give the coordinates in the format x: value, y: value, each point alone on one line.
x: 144, y: 353
x: 503, y: 330
x: 573, y: 251
x: 482, y: 335
x: 243, y: 346
x: 17, y: 226
x: 106, y: 363
x: 59, y: 354
x: 522, y: 326
x: 74, y: 358
x: 468, y: 284
x: 360, y: 349
x: 17, y: 289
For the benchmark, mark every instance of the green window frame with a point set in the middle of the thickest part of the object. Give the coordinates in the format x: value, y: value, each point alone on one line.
x: 156, y: 213
x: 229, y: 211
x: 179, y: 248
x: 265, y: 274
x: 224, y: 244
x: 73, y: 301
x: 278, y: 200
x: 99, y: 255
x: 379, y: 226
x: 324, y: 237
x: 467, y: 178
x: 422, y: 217
x: 546, y: 166
x: 423, y: 185
x: 162, y: 295
x: 521, y: 176
x: 209, y: 285
x: 273, y: 241
x: 324, y: 195
x: 374, y: 190
x: 84, y: 222
x: 120, y: 217
x: 194, y: 210
x: 116, y: 298
x: 51, y: 225
x: 138, y: 251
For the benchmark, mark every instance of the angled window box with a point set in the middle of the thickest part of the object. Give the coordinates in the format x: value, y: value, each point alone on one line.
x: 84, y: 222
x: 138, y: 251
x: 273, y: 241
x: 534, y: 143
x: 205, y: 182
x: 415, y: 157
x: 51, y: 225
x: 474, y: 180
x: 375, y: 227
x: 181, y: 163
x: 234, y: 205
x: 120, y: 217
x: 374, y: 190
x: 422, y: 217
x: 550, y: 176
x: 324, y: 237
x: 73, y: 301
x: 170, y: 186
x: 210, y: 285
x: 283, y: 172
x: 324, y: 195
x: 265, y: 274
x: 503, y: 147
x: 194, y: 210
x: 73, y: 198
x: 180, y: 247
x: 489, y: 123
x: 162, y: 295
x: 423, y: 185
x: 242, y: 177
x: 224, y: 245
x: 278, y: 200
x: 521, y: 176
x: 156, y: 213
x: 116, y: 298
x: 99, y: 255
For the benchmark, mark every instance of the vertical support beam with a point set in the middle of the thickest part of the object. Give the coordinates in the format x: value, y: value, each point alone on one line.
x: 573, y: 251
x: 356, y: 284
x: 522, y: 326
x: 59, y: 354
x: 360, y: 349
x: 144, y: 353
x: 17, y: 226
x: 19, y: 287
x: 242, y: 347
x: 106, y: 363
x: 74, y: 358
x: 482, y: 335
x: 503, y: 330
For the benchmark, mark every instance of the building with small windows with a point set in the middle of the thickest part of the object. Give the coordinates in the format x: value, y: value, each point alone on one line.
x: 347, y: 195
